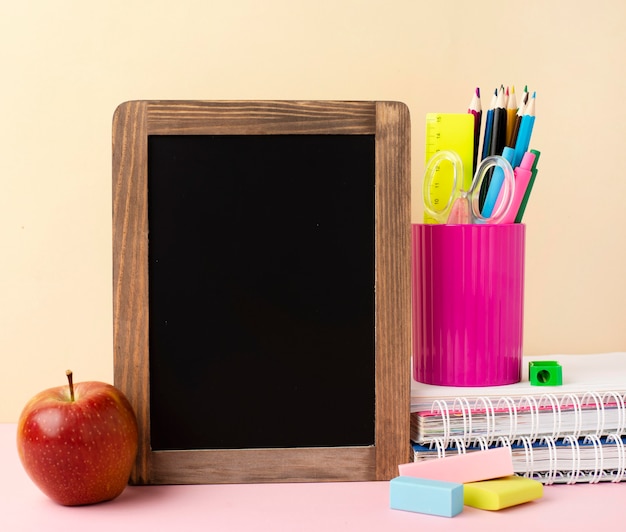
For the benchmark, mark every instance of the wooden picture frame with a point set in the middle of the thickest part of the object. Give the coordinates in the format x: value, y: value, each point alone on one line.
x: 389, y: 124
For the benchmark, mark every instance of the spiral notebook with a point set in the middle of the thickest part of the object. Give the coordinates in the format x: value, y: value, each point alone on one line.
x: 566, y: 460
x: 591, y: 401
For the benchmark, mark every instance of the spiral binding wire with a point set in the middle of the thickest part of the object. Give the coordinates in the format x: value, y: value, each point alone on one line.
x: 533, y: 408
x: 483, y: 415
x: 574, y: 474
x: 462, y: 404
x: 556, y: 412
x: 442, y: 408
x: 528, y: 451
x: 510, y: 405
x: 621, y: 410
x: 621, y: 453
x: 574, y: 402
x: 553, y: 470
x: 599, y: 404
x: 482, y: 443
x: 490, y: 417
x: 598, y: 470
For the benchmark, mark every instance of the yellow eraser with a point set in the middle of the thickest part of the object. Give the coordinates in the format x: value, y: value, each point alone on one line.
x: 501, y: 492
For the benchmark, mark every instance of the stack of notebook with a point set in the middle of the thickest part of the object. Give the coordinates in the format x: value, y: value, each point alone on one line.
x: 571, y: 433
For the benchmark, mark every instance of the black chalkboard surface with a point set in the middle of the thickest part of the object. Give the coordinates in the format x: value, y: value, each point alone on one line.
x: 261, y: 279
x: 261, y: 288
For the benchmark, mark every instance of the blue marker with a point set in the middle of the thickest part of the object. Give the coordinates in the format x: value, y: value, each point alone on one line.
x: 496, y: 183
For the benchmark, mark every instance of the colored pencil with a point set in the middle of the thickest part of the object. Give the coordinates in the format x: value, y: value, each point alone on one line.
x: 489, y: 125
x: 518, y: 120
x: 498, y: 132
x: 498, y: 137
x: 511, y: 111
x: 475, y: 108
x: 525, y: 131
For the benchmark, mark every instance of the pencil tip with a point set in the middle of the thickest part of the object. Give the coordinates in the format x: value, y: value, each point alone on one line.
x: 478, y: 92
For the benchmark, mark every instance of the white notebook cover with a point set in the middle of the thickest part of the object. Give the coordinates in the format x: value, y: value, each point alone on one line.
x: 600, y: 373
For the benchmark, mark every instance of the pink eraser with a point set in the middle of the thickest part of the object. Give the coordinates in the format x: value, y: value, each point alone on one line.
x: 461, y: 468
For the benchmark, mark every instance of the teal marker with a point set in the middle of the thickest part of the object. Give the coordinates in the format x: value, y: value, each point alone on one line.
x: 522, y: 208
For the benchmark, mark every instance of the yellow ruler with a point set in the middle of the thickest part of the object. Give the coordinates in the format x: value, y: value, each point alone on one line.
x: 454, y: 132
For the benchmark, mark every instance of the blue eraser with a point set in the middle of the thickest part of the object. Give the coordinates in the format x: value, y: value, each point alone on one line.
x: 424, y: 496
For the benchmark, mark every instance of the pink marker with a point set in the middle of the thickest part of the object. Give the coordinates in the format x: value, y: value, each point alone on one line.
x: 522, y: 174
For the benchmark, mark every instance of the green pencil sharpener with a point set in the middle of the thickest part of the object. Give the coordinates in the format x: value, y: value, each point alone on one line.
x: 545, y: 373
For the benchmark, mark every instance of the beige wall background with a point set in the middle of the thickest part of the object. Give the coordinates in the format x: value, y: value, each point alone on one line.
x: 65, y: 66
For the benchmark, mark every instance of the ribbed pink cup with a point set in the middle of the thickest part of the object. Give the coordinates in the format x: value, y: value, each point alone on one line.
x: 468, y: 304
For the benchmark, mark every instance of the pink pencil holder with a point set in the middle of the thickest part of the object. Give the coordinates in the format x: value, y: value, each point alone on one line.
x: 468, y: 304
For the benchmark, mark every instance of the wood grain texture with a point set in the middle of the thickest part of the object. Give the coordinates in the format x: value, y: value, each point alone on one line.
x: 260, y: 118
x: 393, y: 286
x: 130, y: 270
x: 264, y: 465
x: 389, y: 122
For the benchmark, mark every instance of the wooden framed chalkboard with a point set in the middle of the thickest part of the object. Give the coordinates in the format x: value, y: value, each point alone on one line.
x: 261, y: 288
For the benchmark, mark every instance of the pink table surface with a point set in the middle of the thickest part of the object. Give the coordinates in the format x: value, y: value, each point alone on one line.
x: 325, y: 507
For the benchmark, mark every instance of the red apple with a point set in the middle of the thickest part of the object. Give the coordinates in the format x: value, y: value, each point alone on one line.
x: 78, y: 443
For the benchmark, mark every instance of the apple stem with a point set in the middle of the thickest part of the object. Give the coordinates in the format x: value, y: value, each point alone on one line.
x: 71, y: 382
